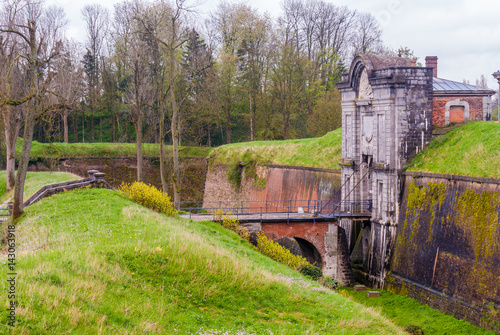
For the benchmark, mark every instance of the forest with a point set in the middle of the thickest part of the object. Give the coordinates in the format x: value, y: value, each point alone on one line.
x: 162, y: 72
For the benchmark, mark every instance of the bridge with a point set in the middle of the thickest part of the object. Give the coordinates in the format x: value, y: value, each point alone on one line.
x: 308, y: 227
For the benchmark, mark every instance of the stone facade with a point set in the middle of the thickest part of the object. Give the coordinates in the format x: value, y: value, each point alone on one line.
x: 386, y: 120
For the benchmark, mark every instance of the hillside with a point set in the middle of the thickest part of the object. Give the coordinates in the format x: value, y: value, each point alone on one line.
x: 321, y: 152
x: 90, y: 261
x: 61, y: 150
x: 34, y: 181
x: 470, y: 150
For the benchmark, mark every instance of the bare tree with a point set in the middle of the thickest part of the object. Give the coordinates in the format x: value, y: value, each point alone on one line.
x: 39, y: 45
x: 96, y: 18
x: 482, y: 82
x: 130, y: 53
x: 67, y: 85
x: 368, y: 35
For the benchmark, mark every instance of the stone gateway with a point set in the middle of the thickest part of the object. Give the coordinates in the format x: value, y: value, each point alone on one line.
x: 386, y: 120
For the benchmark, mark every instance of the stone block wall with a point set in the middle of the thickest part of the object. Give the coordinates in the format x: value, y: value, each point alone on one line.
x: 448, y: 238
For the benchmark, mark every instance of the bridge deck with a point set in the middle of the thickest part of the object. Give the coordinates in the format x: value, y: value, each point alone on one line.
x: 281, y: 217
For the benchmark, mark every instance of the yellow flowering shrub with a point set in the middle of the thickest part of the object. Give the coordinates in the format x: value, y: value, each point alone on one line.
x: 279, y: 253
x: 148, y: 196
x: 230, y: 222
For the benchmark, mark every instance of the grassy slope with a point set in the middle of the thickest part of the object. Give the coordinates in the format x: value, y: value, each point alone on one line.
x: 35, y: 181
x: 3, y: 184
x: 470, y: 150
x: 89, y: 261
x: 406, y: 311
x: 57, y: 150
x: 322, y: 152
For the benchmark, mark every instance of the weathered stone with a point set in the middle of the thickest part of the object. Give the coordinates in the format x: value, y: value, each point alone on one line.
x: 359, y: 288
x: 371, y: 294
x: 381, y: 132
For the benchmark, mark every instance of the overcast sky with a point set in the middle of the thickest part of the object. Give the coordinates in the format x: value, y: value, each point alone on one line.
x: 464, y: 34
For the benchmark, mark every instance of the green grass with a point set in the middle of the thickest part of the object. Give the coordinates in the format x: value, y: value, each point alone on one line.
x: 34, y: 182
x: 406, y: 311
x: 321, y: 152
x: 3, y: 184
x: 90, y: 261
x: 61, y: 150
x: 470, y: 150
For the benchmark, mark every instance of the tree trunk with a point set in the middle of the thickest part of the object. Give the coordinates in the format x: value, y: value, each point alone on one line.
x: 65, y: 125
x: 174, y: 128
x: 100, y: 128
x: 11, y: 131
x: 92, y: 132
x: 83, y: 127
x: 175, y: 150
x: 162, y: 149
x: 209, y: 138
x: 251, y: 119
x: 75, y: 127
x: 138, y: 123
x: 22, y: 169
x: 114, y: 127
x: 138, y: 142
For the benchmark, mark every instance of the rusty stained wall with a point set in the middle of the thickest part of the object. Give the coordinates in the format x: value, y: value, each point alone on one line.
x: 448, y: 241
x: 283, y: 183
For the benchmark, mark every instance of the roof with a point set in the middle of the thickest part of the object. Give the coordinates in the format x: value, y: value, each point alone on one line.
x: 376, y: 62
x: 444, y: 86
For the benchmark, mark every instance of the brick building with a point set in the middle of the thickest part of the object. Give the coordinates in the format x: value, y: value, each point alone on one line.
x: 455, y: 102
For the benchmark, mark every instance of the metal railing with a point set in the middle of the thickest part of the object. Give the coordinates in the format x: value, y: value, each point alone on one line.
x: 4, y: 213
x: 277, y: 208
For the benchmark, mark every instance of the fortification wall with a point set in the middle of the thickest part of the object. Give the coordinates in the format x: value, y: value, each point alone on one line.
x: 124, y: 169
x: 274, y: 182
x: 447, y: 252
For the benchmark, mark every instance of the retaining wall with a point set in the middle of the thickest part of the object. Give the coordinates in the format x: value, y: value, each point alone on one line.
x: 124, y: 169
x: 281, y: 183
x: 447, y: 252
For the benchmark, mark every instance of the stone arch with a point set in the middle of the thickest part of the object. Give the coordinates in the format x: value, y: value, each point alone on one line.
x: 358, y: 68
x: 310, y: 247
x: 310, y: 252
x: 456, y: 103
x: 302, y: 246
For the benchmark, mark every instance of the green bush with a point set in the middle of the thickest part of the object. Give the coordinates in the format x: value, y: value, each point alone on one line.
x: 148, y: 196
x: 329, y: 282
x: 311, y: 271
x: 230, y: 222
x: 279, y: 253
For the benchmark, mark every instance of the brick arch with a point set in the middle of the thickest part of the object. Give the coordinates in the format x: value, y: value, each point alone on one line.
x: 313, y: 234
x: 456, y: 103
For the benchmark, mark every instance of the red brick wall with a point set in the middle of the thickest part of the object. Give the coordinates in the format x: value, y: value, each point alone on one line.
x: 439, y: 104
x: 313, y: 233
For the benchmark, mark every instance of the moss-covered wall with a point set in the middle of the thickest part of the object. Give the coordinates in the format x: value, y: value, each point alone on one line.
x: 448, y: 237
